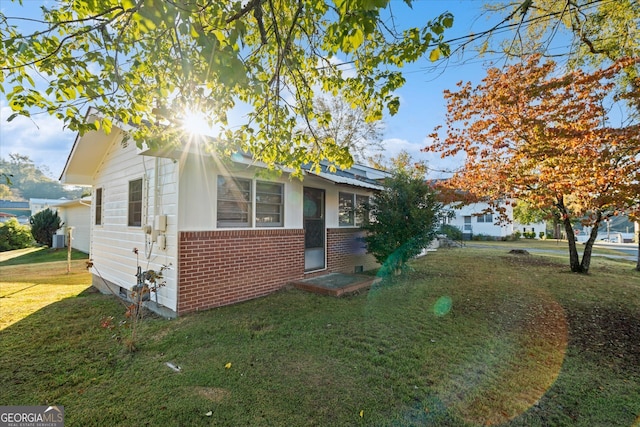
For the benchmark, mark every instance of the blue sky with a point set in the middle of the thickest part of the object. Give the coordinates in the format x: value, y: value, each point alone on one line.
x: 422, y: 107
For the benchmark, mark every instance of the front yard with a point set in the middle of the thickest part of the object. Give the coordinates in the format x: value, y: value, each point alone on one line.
x: 473, y: 337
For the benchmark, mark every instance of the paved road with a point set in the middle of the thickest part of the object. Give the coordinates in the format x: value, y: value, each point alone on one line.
x: 629, y: 248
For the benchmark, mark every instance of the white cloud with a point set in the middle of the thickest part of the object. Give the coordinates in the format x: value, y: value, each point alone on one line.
x: 437, y: 167
x: 42, y: 138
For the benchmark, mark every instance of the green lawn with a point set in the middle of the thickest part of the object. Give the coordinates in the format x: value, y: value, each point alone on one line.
x: 38, y: 255
x: 473, y: 337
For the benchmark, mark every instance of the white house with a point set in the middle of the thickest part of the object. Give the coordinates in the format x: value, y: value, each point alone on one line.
x: 228, y: 232
x: 37, y: 205
x: 473, y: 220
x: 77, y: 215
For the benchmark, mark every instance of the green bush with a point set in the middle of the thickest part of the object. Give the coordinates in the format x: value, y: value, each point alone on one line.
x: 451, y: 231
x: 406, y: 215
x: 44, y: 225
x: 13, y: 235
x: 482, y: 237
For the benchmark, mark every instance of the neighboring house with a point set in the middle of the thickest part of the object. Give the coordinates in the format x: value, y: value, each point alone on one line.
x: 38, y: 205
x: 228, y: 231
x: 6, y: 217
x: 473, y: 220
x: 77, y: 215
x: 19, y: 210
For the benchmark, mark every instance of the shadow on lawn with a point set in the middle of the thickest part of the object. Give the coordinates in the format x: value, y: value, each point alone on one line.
x: 598, y: 383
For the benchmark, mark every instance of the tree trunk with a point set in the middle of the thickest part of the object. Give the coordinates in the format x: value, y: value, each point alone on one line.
x: 637, y: 228
x: 588, y: 247
x: 574, y: 261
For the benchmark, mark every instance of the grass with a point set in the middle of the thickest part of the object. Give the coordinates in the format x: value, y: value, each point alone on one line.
x: 473, y: 337
x: 38, y: 255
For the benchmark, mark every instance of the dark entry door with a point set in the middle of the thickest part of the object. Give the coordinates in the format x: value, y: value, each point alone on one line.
x: 314, y: 229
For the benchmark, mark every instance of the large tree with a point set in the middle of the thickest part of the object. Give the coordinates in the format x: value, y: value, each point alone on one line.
x: 537, y: 135
x: 590, y: 32
x: 337, y: 122
x: 146, y: 62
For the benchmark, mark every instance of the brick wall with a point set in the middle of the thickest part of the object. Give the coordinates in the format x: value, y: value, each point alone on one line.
x: 223, y: 267
x: 346, y: 249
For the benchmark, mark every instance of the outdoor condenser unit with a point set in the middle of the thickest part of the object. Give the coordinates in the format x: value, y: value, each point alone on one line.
x: 58, y: 241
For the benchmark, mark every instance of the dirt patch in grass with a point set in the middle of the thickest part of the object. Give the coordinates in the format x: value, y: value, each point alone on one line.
x: 214, y: 394
x: 523, y: 260
x: 607, y: 334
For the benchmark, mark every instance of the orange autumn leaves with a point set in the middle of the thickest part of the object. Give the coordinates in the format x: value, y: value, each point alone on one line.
x: 536, y: 134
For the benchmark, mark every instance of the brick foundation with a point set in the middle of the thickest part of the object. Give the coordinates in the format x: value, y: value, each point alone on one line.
x: 346, y: 249
x: 224, y: 267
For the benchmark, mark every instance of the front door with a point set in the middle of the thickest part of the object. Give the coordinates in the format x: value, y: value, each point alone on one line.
x: 314, y: 231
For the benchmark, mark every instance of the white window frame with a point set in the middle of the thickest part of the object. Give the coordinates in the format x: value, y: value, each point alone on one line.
x: 252, y: 202
x: 229, y: 223
x: 485, y: 218
x: 131, y: 202
x: 260, y: 203
x: 99, y: 207
x: 355, y: 220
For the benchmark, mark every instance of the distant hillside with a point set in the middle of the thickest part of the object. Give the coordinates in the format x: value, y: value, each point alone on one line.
x: 620, y: 224
x: 20, y: 180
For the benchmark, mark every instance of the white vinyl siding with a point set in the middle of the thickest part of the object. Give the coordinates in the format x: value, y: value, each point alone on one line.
x: 112, y: 243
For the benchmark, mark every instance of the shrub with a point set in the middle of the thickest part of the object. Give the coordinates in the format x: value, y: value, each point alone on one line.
x: 44, y: 225
x: 451, y: 231
x: 482, y: 237
x: 406, y: 214
x: 13, y: 235
x: 516, y: 235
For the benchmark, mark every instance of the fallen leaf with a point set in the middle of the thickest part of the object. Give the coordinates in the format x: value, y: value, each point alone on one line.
x: 228, y: 365
x: 208, y: 414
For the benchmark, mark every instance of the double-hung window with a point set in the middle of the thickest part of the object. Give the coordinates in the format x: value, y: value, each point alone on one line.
x: 351, y: 209
x: 135, y: 203
x: 98, y: 206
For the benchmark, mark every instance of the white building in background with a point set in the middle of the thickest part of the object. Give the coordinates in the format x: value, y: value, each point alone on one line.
x: 473, y: 221
x: 76, y: 214
x: 38, y: 205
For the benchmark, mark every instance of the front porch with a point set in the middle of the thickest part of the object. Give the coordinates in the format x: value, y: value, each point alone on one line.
x: 336, y: 284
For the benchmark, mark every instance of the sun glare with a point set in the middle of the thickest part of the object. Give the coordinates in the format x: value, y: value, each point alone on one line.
x: 195, y: 123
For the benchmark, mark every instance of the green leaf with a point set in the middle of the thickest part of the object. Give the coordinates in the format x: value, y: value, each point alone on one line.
x: 448, y: 21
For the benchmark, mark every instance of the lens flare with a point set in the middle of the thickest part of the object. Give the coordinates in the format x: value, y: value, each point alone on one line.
x: 442, y: 306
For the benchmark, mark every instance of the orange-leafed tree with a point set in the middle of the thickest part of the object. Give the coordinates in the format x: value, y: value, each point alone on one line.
x: 531, y: 133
